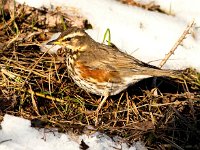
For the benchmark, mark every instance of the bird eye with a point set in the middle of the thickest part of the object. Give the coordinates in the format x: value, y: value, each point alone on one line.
x: 68, y: 39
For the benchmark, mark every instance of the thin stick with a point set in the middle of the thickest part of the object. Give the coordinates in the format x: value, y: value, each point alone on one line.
x: 128, y: 106
x: 34, y: 102
x: 30, y: 91
x: 186, y: 31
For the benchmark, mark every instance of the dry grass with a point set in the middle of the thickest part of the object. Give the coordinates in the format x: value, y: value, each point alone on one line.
x: 36, y: 86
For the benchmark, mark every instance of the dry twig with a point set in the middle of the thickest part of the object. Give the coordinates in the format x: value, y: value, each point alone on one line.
x: 182, y: 37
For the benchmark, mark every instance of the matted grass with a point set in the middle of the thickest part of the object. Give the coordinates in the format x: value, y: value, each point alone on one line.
x: 36, y: 86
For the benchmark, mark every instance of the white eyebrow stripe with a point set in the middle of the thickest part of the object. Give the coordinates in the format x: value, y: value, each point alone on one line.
x: 73, y: 35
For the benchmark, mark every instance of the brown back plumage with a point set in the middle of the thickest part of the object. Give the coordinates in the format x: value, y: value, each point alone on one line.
x: 97, y: 68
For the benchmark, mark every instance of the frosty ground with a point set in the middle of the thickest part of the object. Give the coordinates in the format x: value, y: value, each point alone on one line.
x: 146, y: 35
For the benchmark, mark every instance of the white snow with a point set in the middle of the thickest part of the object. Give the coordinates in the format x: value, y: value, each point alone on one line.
x: 17, y: 134
x: 183, y: 9
x: 146, y: 35
x: 143, y: 34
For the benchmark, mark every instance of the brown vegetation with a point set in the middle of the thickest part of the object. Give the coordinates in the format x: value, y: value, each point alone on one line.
x: 35, y: 85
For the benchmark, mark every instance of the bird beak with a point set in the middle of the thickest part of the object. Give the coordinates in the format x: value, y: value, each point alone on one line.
x: 54, y: 42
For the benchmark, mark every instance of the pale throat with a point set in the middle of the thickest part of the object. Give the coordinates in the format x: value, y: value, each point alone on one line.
x: 73, y: 55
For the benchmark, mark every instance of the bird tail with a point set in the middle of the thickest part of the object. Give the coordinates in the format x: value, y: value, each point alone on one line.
x: 163, y: 72
x: 188, y: 75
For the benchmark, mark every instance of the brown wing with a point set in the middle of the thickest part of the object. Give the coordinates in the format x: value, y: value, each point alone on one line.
x: 110, y: 62
x: 97, y: 73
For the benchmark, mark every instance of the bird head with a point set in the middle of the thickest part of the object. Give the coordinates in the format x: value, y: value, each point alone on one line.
x: 73, y: 39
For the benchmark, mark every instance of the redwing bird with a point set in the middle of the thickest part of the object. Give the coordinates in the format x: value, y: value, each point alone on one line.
x: 102, y: 69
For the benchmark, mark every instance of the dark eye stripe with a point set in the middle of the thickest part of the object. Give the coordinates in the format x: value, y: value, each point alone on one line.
x: 68, y: 39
